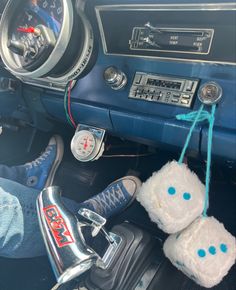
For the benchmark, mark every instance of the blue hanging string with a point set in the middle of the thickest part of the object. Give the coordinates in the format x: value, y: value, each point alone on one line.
x: 191, y: 116
x: 209, y: 149
x: 195, y: 117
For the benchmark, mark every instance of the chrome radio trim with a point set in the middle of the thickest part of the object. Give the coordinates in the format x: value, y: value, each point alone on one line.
x: 162, y: 7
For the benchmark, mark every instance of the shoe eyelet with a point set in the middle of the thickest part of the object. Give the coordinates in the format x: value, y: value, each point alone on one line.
x: 32, y: 181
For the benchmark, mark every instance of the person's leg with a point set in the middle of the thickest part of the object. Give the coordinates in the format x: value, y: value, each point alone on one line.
x: 20, y: 235
x: 40, y: 172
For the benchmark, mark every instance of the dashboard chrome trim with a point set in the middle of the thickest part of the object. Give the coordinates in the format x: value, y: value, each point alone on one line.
x: 162, y: 7
x: 59, y: 83
x: 58, y: 51
x: 85, y: 56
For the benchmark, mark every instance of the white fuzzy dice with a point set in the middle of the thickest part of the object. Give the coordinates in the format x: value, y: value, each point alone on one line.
x: 205, y: 251
x: 173, y: 197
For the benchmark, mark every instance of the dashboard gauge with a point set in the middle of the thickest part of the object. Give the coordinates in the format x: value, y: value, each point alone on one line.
x: 46, y: 39
x: 83, y: 144
x: 87, y: 143
x: 36, y: 28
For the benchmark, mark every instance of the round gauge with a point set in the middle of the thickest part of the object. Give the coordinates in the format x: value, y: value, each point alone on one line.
x: 39, y: 12
x: 31, y: 30
x: 49, y: 39
x: 35, y: 31
x: 83, y: 145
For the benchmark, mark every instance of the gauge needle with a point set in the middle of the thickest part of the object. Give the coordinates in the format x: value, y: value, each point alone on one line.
x: 86, y: 144
x: 30, y: 29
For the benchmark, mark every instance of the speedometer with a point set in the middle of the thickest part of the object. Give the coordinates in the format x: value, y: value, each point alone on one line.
x: 49, y: 11
x: 31, y: 30
x: 35, y: 31
x: 46, y: 39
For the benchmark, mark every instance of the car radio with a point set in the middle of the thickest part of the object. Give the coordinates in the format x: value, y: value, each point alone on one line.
x: 164, y: 89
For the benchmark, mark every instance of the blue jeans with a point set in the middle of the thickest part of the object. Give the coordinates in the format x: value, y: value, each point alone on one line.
x: 20, y: 236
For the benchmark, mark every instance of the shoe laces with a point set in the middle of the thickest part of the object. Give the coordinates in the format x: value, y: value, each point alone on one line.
x: 110, y: 198
x: 41, y: 158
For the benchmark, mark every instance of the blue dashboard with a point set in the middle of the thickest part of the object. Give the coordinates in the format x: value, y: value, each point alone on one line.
x: 152, y: 123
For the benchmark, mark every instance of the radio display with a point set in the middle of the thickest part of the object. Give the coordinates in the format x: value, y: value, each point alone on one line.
x: 164, y: 84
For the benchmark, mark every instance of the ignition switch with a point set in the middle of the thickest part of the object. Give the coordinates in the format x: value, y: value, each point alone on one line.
x: 210, y: 93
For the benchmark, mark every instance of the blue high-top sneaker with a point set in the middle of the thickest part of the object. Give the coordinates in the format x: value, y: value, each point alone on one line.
x: 115, y: 198
x: 39, y: 173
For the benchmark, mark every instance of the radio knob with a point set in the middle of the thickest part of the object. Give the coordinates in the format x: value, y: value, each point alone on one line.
x: 115, y: 78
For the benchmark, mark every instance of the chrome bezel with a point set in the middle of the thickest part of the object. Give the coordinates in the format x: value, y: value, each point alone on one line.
x: 59, y: 83
x: 85, y: 55
x: 208, y: 101
x: 74, y: 145
x: 57, y: 53
x: 98, y: 135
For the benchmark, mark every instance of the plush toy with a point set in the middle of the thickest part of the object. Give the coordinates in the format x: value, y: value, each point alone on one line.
x: 177, y: 201
x: 173, y: 197
x: 204, y: 251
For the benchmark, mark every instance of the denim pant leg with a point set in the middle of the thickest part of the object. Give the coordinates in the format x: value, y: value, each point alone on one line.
x: 20, y: 236
x: 14, y: 173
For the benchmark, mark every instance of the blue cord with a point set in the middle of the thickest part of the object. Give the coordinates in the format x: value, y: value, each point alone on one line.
x: 209, y: 149
x: 189, y: 117
x: 196, y: 117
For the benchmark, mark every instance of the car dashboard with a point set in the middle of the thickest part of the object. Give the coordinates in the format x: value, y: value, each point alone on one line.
x: 132, y: 65
x: 121, y: 83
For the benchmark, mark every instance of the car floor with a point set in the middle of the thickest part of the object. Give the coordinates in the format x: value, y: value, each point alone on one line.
x: 79, y: 181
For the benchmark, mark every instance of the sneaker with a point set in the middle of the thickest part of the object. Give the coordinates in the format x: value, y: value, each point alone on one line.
x: 40, y: 172
x: 115, y: 198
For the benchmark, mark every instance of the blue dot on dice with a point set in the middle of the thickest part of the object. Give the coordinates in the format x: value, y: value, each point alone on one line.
x: 187, y: 196
x: 223, y: 248
x: 171, y: 190
x: 212, y: 250
x: 201, y: 253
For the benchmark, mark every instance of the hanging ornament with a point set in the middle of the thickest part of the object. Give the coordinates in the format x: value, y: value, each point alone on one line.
x: 177, y: 201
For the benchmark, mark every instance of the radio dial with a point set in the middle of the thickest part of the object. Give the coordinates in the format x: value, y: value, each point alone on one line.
x: 115, y: 78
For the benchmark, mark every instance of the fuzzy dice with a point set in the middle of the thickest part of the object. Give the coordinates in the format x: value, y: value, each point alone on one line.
x: 205, y: 251
x: 173, y: 197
